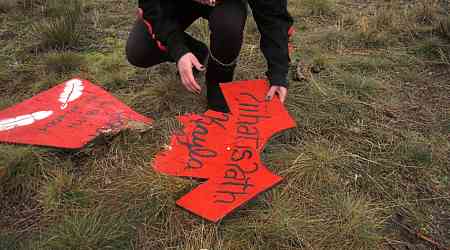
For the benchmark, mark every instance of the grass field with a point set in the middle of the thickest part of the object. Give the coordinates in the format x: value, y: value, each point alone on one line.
x: 366, y: 168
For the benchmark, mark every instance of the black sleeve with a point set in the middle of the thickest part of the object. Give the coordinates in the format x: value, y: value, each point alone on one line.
x: 274, y: 21
x: 160, y: 14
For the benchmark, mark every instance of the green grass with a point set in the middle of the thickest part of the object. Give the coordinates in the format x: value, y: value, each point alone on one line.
x: 63, y: 62
x: 92, y: 230
x: 370, y: 150
x: 62, y: 29
x: 319, y: 7
x: 62, y: 190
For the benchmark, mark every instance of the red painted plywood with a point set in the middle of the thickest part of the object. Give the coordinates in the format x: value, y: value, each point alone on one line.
x: 224, y: 149
x: 66, y: 116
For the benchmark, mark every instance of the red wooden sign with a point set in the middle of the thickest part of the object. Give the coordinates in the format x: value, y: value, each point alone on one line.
x: 224, y: 149
x: 66, y: 116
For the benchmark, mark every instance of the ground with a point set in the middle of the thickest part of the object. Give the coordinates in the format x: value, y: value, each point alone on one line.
x: 366, y: 168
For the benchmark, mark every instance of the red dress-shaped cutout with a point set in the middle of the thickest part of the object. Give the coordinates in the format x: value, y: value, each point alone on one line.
x: 68, y: 115
x: 225, y: 150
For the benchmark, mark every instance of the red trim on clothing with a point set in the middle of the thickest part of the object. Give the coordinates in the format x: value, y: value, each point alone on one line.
x: 291, y: 46
x: 291, y: 31
x: 150, y: 30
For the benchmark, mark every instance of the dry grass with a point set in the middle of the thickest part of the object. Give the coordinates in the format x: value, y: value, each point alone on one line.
x: 7, y: 5
x: 63, y: 62
x: 63, y: 26
x: 366, y: 168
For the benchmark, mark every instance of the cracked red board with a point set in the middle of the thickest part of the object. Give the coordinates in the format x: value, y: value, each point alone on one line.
x: 68, y: 115
x: 224, y: 150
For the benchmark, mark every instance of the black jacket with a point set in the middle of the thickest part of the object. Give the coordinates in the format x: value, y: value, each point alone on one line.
x: 272, y: 19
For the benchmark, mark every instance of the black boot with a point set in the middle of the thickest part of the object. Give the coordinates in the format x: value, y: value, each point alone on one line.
x: 218, y: 73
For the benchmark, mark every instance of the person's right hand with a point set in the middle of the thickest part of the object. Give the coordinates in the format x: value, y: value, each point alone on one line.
x: 206, y: 2
x: 185, y: 65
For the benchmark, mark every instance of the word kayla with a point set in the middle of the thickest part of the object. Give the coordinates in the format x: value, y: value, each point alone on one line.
x: 195, y: 142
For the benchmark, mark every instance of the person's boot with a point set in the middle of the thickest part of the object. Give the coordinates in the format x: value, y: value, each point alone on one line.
x: 218, y: 73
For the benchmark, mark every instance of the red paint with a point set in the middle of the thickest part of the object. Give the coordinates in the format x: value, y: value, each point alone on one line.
x: 224, y: 149
x: 72, y: 123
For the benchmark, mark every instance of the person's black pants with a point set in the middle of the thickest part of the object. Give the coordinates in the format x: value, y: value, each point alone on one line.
x: 226, y: 22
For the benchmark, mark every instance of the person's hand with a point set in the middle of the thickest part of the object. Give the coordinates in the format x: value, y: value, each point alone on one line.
x: 207, y: 2
x: 185, y: 65
x: 277, y: 90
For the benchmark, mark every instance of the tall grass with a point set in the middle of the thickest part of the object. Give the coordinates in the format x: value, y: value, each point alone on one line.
x: 63, y: 61
x: 92, y: 230
x: 319, y: 7
x: 64, y: 25
x: 371, y: 143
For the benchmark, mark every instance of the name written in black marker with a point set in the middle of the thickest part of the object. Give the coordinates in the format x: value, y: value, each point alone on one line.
x: 196, y: 142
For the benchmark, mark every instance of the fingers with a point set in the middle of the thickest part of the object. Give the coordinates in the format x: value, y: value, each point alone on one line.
x: 282, y: 93
x: 190, y: 75
x: 186, y: 83
x: 271, y: 93
x: 193, y: 83
x: 211, y: 3
x: 188, y: 80
x: 277, y: 90
x: 206, y: 2
x: 185, y: 65
x: 197, y: 64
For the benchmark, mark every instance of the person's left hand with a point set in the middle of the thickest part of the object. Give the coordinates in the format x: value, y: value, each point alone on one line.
x: 277, y: 90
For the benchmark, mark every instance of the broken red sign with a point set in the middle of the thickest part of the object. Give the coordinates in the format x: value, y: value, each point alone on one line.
x: 66, y: 116
x: 225, y: 149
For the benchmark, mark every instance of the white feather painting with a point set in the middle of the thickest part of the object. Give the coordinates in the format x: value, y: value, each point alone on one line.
x: 72, y: 91
x: 23, y: 120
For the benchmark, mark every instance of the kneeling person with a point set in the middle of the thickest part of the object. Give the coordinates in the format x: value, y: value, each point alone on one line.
x: 159, y: 36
